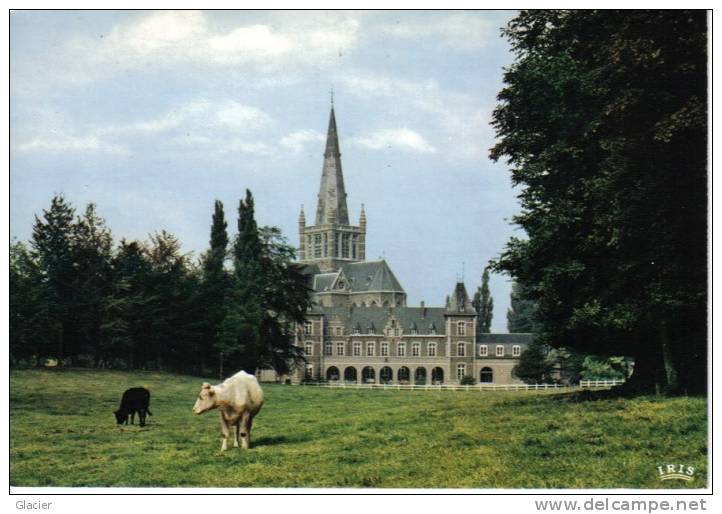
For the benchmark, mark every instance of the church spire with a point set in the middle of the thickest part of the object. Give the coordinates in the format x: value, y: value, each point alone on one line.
x: 332, y: 194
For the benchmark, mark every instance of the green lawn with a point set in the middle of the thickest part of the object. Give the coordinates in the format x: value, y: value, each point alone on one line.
x: 63, y: 433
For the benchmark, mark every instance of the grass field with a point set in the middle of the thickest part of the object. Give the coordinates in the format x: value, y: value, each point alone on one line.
x: 63, y: 433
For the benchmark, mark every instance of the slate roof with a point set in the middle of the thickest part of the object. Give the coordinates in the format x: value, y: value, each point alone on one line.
x: 520, y: 339
x: 361, y: 277
x: 371, y: 276
x: 459, y: 301
x: 424, y: 318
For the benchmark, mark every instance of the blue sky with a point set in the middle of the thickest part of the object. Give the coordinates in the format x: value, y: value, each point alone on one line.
x: 153, y: 115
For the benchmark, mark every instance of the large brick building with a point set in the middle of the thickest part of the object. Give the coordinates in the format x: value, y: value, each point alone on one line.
x: 361, y: 328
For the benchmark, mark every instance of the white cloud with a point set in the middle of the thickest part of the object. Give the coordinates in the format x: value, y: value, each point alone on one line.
x: 237, y: 115
x: 459, y: 118
x: 167, y: 39
x: 226, y: 124
x: 460, y: 31
x: 296, y: 141
x: 401, y: 139
x: 248, y: 43
x: 199, y: 114
x: 67, y: 143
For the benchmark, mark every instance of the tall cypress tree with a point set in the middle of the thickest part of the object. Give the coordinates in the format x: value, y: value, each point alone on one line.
x: 484, y: 304
x: 520, y: 316
x: 268, y: 296
x: 215, y: 284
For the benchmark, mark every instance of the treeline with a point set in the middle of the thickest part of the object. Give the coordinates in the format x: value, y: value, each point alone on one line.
x: 603, y: 121
x: 81, y: 300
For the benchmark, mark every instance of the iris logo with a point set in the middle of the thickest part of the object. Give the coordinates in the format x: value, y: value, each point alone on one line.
x: 676, y: 472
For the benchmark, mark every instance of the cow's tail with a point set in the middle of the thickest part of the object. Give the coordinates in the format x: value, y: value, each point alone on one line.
x: 149, y: 412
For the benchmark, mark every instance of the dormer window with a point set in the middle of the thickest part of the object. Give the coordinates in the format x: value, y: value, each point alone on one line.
x: 308, y: 327
x: 461, y: 328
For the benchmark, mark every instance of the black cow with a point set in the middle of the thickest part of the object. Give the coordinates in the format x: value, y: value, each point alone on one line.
x: 135, y: 399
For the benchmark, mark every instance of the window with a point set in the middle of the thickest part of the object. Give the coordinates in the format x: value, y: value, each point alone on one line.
x: 414, y: 331
x: 339, y: 348
x: 317, y: 246
x: 461, y: 328
x: 339, y: 331
x: 345, y: 245
x: 516, y: 350
x: 309, y: 349
x: 384, y: 349
x: 396, y: 331
x: 309, y: 327
x: 499, y: 350
x: 328, y: 349
x: 357, y: 330
x: 370, y: 349
x: 309, y: 371
x: 432, y: 350
x: 372, y: 330
x: 461, y: 350
x: 486, y: 376
x: 415, y: 349
x: 401, y: 350
x: 460, y: 371
x: 432, y: 330
x: 325, y: 244
x: 483, y: 350
x: 357, y: 349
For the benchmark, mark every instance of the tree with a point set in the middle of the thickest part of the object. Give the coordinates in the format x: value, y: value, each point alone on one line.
x: 484, y: 304
x: 521, y: 313
x: 52, y: 246
x: 269, y: 297
x: 215, y: 285
x: 92, y: 281
x: 599, y: 113
x: 535, y: 366
x: 32, y: 328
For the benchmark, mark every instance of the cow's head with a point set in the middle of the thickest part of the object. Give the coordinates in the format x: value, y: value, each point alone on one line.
x: 120, y: 416
x: 206, y: 399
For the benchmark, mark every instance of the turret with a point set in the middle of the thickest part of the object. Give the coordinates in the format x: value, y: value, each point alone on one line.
x: 302, y: 235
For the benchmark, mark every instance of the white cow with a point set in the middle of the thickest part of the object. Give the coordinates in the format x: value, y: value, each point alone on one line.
x: 239, y: 399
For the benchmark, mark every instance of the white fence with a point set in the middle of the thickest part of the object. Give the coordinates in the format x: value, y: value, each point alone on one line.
x: 584, y: 384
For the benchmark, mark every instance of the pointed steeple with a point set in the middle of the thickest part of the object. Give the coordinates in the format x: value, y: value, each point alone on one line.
x: 332, y: 194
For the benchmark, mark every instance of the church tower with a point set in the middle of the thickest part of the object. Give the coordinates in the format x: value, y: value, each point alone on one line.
x: 332, y: 240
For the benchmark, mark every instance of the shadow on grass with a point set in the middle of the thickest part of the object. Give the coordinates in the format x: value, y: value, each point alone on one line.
x: 279, y: 439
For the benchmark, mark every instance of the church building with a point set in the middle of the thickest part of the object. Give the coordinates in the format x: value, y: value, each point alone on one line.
x: 360, y: 328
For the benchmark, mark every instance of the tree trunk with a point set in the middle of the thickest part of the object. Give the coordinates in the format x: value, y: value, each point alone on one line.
x: 649, y: 375
x: 670, y: 368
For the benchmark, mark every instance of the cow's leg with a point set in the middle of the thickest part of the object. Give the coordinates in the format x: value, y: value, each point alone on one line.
x: 245, y: 429
x: 141, y: 416
x: 236, y: 430
x: 132, y: 417
x: 224, y: 429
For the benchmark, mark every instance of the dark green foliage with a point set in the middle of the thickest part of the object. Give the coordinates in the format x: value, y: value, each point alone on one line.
x: 215, y: 289
x: 541, y: 364
x: 535, y: 366
x: 520, y: 316
x: 484, y: 304
x: 599, y: 114
x: 269, y: 296
x: 75, y: 298
x: 467, y: 380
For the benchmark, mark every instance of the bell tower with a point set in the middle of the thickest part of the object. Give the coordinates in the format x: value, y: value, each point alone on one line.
x: 332, y: 240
